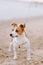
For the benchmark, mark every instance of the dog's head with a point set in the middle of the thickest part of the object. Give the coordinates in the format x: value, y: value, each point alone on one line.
x: 17, y: 29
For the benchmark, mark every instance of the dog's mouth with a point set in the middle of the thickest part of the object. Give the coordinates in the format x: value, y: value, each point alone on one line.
x: 13, y: 36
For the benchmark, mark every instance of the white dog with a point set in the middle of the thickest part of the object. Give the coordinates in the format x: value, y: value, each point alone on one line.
x: 19, y: 38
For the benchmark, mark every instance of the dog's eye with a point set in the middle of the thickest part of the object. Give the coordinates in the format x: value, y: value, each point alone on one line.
x: 16, y: 30
x: 12, y: 29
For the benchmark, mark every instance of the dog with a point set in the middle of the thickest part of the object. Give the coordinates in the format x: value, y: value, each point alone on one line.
x: 19, y: 38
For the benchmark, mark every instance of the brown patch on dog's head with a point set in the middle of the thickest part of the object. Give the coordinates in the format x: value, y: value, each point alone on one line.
x: 18, y: 28
x: 13, y: 25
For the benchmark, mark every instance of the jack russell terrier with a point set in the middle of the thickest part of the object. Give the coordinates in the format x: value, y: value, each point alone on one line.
x: 19, y: 38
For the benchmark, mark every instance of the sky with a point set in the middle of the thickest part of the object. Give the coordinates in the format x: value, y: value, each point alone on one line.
x: 35, y: 0
x: 13, y: 9
x: 25, y: 0
x: 31, y: 0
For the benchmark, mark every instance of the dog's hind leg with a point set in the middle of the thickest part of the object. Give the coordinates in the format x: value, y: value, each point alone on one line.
x: 28, y: 51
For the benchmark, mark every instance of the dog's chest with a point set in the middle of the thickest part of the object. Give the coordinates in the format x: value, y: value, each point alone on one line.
x: 15, y: 40
x: 22, y: 38
x: 19, y: 40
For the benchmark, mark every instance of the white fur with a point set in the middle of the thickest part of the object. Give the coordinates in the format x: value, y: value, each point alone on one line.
x: 20, y: 40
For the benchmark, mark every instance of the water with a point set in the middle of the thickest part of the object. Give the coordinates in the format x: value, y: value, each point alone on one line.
x: 12, y: 9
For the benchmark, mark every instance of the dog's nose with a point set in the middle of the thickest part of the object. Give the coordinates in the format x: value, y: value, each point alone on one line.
x: 10, y: 34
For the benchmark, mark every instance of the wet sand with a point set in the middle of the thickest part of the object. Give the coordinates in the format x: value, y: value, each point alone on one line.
x: 34, y: 30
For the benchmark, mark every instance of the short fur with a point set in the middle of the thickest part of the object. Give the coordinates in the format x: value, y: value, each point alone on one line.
x: 19, y: 38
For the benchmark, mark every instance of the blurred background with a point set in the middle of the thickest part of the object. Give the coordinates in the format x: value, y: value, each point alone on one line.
x: 10, y: 9
x: 29, y: 12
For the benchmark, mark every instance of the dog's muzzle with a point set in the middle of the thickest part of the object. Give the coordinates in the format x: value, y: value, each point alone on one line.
x: 13, y: 36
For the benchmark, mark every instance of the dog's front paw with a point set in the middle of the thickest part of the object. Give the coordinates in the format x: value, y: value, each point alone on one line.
x: 15, y: 57
x: 28, y: 59
x: 9, y: 50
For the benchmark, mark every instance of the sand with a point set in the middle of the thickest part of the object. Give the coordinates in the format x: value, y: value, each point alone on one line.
x: 34, y: 30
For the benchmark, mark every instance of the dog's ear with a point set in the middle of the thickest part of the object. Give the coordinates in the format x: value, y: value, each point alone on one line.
x: 22, y: 25
x: 14, y: 24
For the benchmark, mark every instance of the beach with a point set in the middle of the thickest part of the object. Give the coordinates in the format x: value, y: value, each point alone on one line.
x: 34, y: 31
